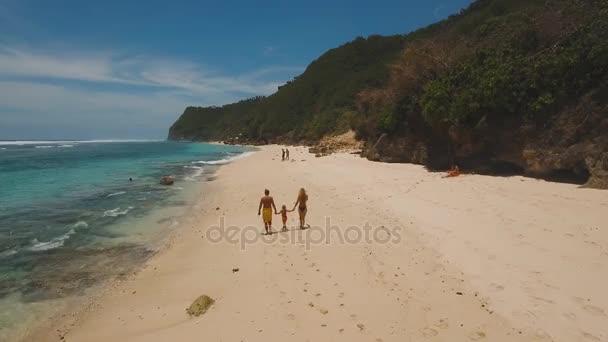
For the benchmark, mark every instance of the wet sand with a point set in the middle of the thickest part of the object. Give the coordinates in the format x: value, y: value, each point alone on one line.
x: 471, y: 258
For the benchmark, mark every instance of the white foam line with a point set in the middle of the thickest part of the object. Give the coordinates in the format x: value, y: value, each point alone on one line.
x: 224, y: 161
x: 67, y: 142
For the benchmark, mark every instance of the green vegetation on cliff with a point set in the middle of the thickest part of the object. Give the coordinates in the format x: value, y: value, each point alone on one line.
x: 306, y: 108
x: 502, y: 81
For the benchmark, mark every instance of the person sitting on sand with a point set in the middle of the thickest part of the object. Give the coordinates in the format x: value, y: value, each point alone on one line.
x: 267, y: 203
x: 302, y: 209
x: 283, y: 213
x: 454, y: 172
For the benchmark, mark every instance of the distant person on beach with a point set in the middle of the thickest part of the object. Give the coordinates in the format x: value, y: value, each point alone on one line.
x: 265, y: 208
x: 282, y: 154
x: 283, y: 213
x: 454, y: 172
x: 302, y: 209
x: 286, y: 154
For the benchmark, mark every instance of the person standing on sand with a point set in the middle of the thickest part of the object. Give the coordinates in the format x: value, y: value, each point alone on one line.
x: 282, y: 155
x: 302, y: 208
x: 287, y: 154
x: 266, y: 206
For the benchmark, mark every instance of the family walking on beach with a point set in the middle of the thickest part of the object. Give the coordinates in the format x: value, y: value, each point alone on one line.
x: 267, y: 206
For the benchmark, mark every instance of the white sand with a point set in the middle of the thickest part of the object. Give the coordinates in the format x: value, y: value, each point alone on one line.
x: 529, y: 258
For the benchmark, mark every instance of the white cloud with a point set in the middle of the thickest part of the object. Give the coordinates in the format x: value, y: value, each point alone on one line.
x: 115, y: 68
x: 35, y: 104
x: 98, y: 91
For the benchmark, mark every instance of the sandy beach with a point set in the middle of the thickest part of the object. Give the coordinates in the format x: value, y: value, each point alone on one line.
x: 394, y: 253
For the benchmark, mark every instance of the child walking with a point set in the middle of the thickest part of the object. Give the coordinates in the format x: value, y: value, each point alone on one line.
x: 283, y: 213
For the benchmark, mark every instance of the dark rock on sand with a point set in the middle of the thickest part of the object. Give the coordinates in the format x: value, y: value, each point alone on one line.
x: 200, y: 306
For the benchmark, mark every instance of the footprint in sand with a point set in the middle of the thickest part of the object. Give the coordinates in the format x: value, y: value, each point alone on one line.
x: 497, y: 287
x: 291, y: 317
x: 429, y: 332
x: 443, y: 324
x: 590, y: 337
x: 543, y: 300
x: 477, y: 335
x: 594, y: 310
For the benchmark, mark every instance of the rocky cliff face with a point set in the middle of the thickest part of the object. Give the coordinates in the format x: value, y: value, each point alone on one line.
x: 572, y: 147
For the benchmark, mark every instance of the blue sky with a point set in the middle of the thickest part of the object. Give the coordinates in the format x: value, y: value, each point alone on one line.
x: 126, y: 69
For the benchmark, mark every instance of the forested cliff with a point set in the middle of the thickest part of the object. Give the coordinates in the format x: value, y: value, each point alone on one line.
x: 505, y: 86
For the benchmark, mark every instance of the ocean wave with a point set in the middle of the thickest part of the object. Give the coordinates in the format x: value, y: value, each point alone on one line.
x: 80, y: 224
x: 116, y: 193
x: 197, y: 172
x: 69, y: 142
x: 225, y: 160
x: 53, y: 146
x: 57, y: 242
x: 7, y: 253
x: 116, y: 212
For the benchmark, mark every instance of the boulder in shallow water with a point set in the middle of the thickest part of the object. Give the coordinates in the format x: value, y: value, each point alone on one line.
x: 200, y: 305
x: 167, y: 180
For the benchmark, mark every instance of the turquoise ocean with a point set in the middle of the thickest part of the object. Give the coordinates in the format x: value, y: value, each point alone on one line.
x: 76, y: 213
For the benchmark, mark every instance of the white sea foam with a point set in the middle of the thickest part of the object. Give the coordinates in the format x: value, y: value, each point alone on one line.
x: 57, y: 242
x: 8, y: 253
x: 225, y: 160
x: 45, y: 246
x: 80, y: 224
x: 69, y: 142
x: 116, y: 212
x: 53, y: 146
x: 197, y: 172
x: 116, y: 193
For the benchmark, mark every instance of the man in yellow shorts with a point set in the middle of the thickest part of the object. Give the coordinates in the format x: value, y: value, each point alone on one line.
x: 266, y: 206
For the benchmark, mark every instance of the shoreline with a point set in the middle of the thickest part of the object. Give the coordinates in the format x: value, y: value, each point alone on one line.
x: 74, y: 308
x: 478, y: 258
x: 150, y: 232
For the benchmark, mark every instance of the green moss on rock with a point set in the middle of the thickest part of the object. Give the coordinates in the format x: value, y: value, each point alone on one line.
x: 200, y: 306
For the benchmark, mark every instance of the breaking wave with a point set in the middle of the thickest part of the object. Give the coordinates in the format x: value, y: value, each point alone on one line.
x: 116, y: 212
x: 225, y: 160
